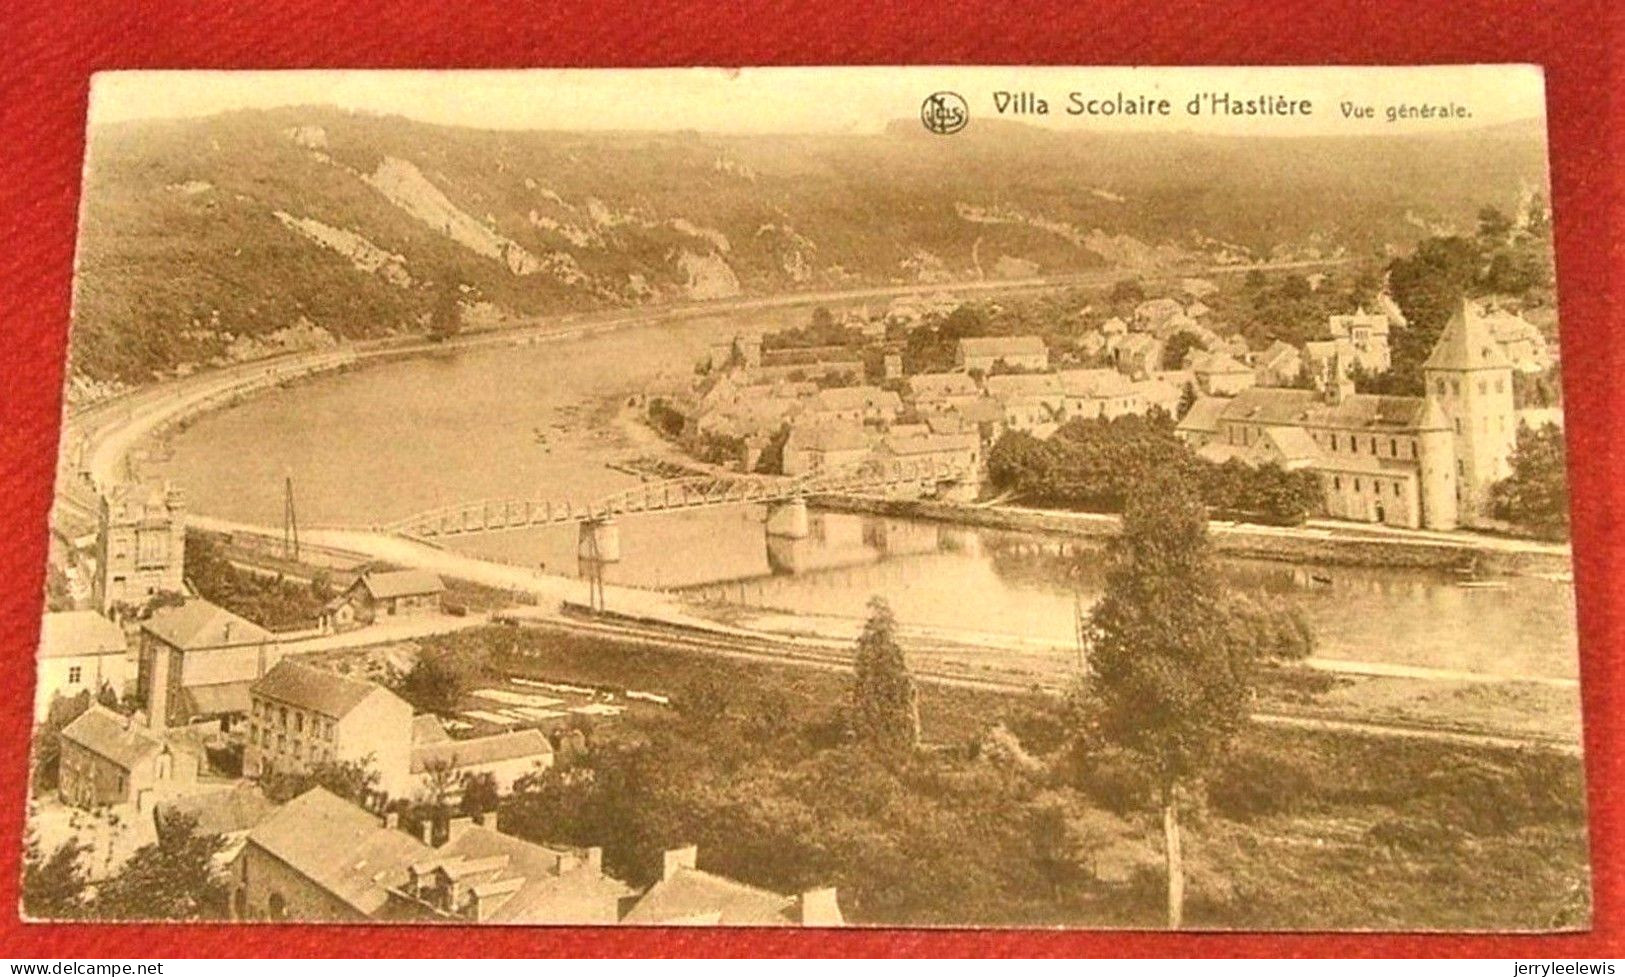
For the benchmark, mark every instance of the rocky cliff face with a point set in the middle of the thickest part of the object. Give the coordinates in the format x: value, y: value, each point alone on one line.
x: 205, y: 236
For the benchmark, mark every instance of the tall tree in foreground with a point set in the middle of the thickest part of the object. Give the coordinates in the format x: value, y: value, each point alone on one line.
x: 885, y: 704
x: 1536, y: 494
x: 1171, y: 656
x: 53, y: 884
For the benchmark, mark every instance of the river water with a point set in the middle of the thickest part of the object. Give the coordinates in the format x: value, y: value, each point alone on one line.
x: 379, y: 443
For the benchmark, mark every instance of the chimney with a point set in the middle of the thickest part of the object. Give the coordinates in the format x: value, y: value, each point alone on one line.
x: 595, y: 860
x: 488, y: 820
x: 426, y: 831
x: 677, y: 859
x: 392, y: 820
x: 456, y: 826
x: 820, y: 908
x: 227, y: 631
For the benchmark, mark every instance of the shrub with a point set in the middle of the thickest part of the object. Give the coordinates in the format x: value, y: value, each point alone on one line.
x: 1257, y: 781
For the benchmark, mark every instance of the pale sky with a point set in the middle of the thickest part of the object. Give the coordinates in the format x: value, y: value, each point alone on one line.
x: 758, y: 100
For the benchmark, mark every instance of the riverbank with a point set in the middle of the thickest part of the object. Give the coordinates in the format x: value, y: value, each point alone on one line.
x: 1315, y: 544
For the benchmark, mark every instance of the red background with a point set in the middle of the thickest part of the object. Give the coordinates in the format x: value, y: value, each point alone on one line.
x: 51, y: 49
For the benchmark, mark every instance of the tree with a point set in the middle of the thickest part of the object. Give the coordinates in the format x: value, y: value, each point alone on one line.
x: 446, y: 318
x: 53, y: 885
x: 885, y: 703
x: 1177, y: 347
x: 172, y: 879
x: 1187, y: 400
x: 354, y: 780
x: 440, y: 782
x: 1536, y: 494
x: 435, y: 683
x: 1170, y: 668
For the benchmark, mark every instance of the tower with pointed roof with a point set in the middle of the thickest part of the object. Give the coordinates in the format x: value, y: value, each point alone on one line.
x: 1469, y: 382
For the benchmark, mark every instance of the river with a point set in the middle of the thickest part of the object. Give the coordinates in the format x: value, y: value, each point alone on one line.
x: 375, y: 444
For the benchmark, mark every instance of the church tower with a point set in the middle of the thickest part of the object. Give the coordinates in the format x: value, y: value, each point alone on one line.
x: 1469, y: 380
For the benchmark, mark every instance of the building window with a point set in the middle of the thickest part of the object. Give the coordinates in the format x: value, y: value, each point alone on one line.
x: 1337, y: 482
x: 1500, y: 386
x: 1356, y: 485
x: 75, y: 673
x: 1373, y: 447
x: 1413, y: 449
x: 1440, y: 386
x: 1483, y: 387
x: 298, y: 722
x: 1396, y: 488
x: 1455, y: 387
x: 1393, y: 447
x: 1458, y: 425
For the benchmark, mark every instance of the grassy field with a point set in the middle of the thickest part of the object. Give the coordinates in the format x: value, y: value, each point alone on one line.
x: 1001, y: 819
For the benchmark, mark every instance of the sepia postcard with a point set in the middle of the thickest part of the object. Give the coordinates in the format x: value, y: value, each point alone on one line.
x: 940, y: 496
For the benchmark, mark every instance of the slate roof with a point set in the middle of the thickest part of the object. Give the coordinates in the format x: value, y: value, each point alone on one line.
x: 200, y: 624
x: 401, y: 583
x: 942, y: 385
x: 547, y: 874
x: 826, y: 437
x: 1008, y: 385
x: 1217, y: 363
x: 316, y: 689
x: 112, y: 736
x: 219, y: 812
x: 1466, y: 343
x: 482, y: 750
x: 695, y: 896
x: 1357, y: 412
x: 72, y: 634
x: 1095, y: 383
x: 340, y: 848
x: 1204, y: 415
x: 996, y: 346
x: 218, y: 698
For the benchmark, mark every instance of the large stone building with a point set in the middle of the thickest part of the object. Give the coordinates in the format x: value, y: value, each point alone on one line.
x: 1406, y: 461
x: 197, y: 661
x: 300, y: 716
x: 140, y: 544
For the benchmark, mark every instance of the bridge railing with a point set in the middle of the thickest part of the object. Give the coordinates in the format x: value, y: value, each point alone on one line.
x: 490, y: 515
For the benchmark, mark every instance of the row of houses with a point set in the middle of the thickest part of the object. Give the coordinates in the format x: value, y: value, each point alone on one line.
x: 193, y: 660
x: 320, y: 858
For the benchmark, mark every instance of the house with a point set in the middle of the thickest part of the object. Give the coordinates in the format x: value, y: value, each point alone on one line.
x: 1014, y: 352
x: 1200, y: 425
x: 1367, y: 336
x: 1099, y: 393
x: 953, y: 452
x: 79, y: 651
x: 140, y: 544
x: 686, y: 895
x: 444, y: 767
x: 384, y: 594
x: 225, y: 814
x: 1278, y: 366
x: 933, y: 392
x: 109, y: 759
x: 319, y: 858
x: 1138, y: 355
x: 1153, y: 314
x: 301, y: 715
x: 322, y: 859
x: 812, y: 446
x: 1220, y: 375
x: 1031, y: 402
x: 1520, y: 340
x: 196, y: 661
x: 1160, y: 393
x: 860, y: 405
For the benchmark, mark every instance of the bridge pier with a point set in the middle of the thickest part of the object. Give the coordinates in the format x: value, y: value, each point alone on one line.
x: 788, y: 519
x: 599, y: 541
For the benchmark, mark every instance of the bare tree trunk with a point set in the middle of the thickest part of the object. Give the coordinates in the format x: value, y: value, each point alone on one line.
x: 1175, y: 860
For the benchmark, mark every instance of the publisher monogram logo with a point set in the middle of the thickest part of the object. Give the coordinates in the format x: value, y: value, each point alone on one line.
x: 944, y: 113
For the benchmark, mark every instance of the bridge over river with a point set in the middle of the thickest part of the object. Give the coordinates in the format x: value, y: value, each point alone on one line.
x: 783, y: 495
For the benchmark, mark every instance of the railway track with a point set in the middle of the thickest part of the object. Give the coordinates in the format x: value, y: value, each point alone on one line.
x: 828, y: 657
